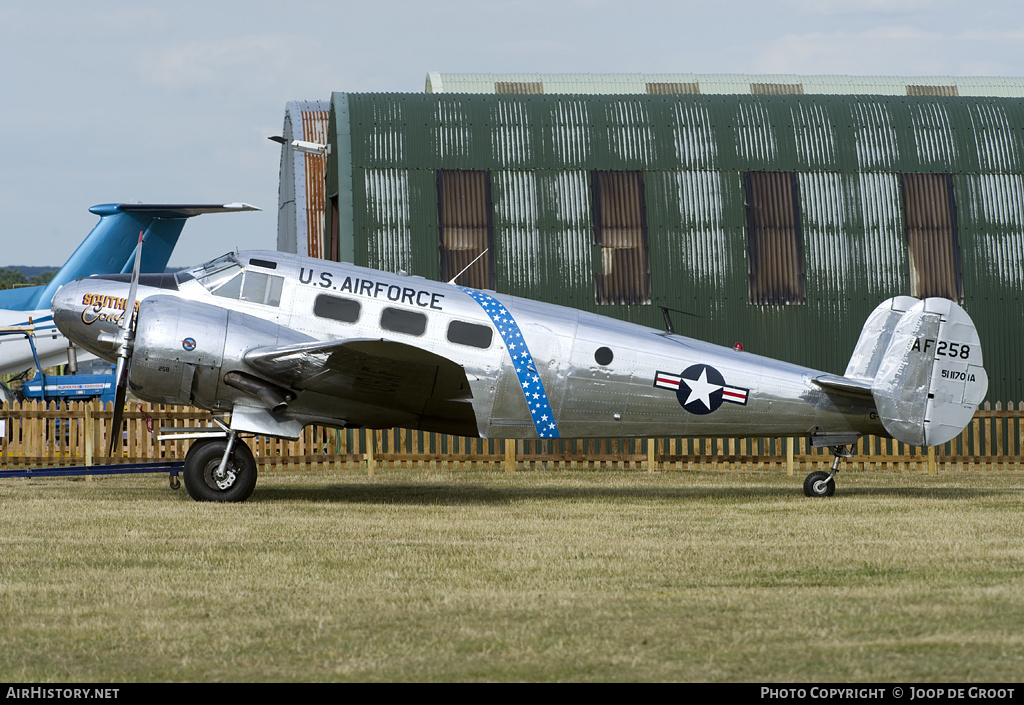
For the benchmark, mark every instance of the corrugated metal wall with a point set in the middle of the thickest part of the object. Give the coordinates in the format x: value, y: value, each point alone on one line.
x: 848, y: 155
x: 301, y: 204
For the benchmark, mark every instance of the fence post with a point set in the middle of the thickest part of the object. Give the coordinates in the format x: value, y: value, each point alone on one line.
x: 790, y: 465
x: 650, y: 455
x: 5, y: 441
x: 89, y: 432
x: 510, y: 455
x: 371, y: 461
x: 932, y: 468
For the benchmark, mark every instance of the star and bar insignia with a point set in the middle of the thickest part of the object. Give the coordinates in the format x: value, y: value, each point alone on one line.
x: 701, y: 389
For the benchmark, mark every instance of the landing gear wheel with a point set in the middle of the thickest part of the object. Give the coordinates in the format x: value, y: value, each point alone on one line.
x: 203, y: 479
x: 819, y: 484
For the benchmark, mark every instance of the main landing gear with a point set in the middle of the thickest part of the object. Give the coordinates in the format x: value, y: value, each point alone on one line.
x: 220, y: 470
x: 823, y: 484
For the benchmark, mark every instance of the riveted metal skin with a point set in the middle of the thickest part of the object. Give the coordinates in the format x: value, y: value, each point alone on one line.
x: 525, y: 369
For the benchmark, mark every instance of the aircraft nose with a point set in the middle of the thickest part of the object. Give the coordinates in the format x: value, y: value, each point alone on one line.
x: 83, y: 312
x: 64, y: 308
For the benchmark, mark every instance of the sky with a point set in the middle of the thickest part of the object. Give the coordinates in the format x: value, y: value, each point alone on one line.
x: 111, y: 101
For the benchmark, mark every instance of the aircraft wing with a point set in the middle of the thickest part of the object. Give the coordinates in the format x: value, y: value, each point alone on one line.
x: 384, y: 375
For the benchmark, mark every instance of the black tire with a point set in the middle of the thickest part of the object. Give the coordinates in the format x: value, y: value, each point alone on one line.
x: 816, y: 478
x: 201, y: 464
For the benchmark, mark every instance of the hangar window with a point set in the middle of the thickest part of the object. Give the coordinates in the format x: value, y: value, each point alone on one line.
x: 774, y: 238
x: 336, y: 308
x: 777, y: 88
x: 333, y: 244
x: 402, y: 321
x: 929, y: 221
x: 620, y: 231
x: 534, y: 87
x: 466, y: 227
x: 673, y: 88
x: 932, y: 90
x: 471, y: 334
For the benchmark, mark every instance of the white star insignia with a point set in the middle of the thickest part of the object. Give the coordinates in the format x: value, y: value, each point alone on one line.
x: 701, y: 389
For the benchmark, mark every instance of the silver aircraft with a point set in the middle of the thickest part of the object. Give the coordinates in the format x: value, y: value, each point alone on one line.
x: 278, y: 342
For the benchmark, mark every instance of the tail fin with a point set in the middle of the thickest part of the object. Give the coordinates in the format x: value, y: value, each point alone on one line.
x: 110, y: 246
x: 924, y: 364
x: 875, y: 337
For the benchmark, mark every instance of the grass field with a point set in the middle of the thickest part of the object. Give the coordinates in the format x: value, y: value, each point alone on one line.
x: 536, y: 576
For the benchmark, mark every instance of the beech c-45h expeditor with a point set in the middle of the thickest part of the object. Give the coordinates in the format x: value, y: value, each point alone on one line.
x: 275, y: 342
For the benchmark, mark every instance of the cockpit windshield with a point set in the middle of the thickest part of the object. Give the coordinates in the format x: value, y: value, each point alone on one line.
x: 226, y: 277
x: 216, y: 273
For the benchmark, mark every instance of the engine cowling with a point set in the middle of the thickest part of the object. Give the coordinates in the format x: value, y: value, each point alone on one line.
x: 183, y: 349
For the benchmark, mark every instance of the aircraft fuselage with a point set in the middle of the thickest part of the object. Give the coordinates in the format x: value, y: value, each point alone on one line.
x: 532, y: 369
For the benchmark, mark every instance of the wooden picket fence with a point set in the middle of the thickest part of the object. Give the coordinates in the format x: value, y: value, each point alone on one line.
x: 34, y: 434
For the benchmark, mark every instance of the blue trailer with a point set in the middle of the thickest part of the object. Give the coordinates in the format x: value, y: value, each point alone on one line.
x: 71, y: 387
x: 96, y: 385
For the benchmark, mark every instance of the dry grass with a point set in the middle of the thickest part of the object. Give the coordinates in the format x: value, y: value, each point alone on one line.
x: 538, y: 576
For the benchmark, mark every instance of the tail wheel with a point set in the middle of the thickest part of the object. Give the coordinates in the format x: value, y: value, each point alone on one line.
x: 206, y: 482
x: 819, y: 484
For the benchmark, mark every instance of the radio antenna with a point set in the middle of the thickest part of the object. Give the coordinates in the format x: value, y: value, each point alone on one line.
x: 452, y: 280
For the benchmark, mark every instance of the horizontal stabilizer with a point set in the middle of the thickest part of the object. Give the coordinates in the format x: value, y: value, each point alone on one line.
x: 844, y: 385
x: 163, y: 210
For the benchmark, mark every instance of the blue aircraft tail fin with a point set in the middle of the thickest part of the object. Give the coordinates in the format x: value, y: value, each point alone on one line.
x: 110, y: 246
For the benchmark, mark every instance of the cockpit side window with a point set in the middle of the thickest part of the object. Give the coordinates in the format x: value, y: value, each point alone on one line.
x: 262, y: 288
x: 229, y: 289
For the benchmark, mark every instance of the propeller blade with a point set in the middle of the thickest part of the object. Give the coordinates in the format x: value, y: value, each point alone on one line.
x: 124, y: 351
x: 129, y: 314
x: 119, y: 397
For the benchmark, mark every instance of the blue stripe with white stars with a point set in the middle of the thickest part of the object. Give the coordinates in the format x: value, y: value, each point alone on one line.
x: 522, y: 362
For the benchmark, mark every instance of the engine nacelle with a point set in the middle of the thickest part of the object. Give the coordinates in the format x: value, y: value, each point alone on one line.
x: 183, y: 349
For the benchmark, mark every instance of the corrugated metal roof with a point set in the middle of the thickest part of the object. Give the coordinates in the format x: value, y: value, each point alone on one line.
x: 722, y: 83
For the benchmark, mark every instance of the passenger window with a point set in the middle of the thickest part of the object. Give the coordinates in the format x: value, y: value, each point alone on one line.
x: 470, y: 334
x: 402, y: 321
x: 336, y: 308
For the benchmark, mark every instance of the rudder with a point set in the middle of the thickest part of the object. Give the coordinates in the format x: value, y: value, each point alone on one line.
x: 931, y: 378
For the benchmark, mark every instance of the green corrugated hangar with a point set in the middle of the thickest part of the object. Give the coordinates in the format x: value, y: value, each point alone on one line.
x: 777, y: 218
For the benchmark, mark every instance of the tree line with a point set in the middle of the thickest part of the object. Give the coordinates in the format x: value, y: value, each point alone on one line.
x: 12, y: 277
